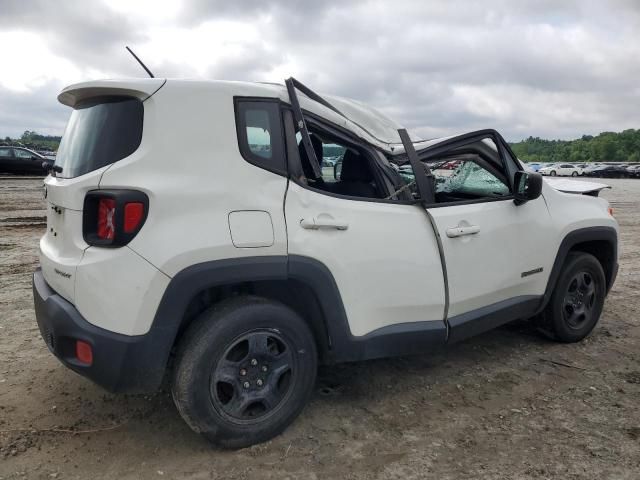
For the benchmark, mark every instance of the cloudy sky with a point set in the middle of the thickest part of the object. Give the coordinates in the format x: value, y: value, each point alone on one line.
x: 555, y: 69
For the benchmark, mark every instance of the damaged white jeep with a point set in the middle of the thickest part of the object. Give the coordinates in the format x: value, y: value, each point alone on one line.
x: 230, y: 236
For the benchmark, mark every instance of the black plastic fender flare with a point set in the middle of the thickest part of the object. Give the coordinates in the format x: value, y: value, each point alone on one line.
x: 576, y: 237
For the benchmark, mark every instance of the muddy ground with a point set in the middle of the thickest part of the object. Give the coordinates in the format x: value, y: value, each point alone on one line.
x: 508, y: 404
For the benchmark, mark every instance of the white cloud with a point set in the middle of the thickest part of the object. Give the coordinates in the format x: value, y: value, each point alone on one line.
x: 21, y: 73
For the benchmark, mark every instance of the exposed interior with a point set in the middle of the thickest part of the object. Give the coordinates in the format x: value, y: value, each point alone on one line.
x: 474, y: 171
x: 350, y: 171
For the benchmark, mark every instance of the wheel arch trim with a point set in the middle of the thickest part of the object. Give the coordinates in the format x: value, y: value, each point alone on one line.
x: 575, y: 238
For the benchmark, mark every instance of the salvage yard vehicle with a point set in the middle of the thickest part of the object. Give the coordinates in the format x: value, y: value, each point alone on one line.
x: 562, y: 170
x: 235, y: 270
x: 22, y: 161
x: 633, y: 171
x: 608, y: 171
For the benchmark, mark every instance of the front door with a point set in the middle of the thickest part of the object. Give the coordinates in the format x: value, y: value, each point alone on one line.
x: 495, y: 251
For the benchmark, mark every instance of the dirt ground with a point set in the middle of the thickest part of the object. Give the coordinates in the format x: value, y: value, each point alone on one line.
x: 508, y: 404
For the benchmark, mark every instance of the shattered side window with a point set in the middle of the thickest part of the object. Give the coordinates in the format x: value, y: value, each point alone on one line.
x: 469, y: 178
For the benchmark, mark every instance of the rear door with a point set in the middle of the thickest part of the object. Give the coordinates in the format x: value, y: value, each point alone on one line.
x: 383, y: 256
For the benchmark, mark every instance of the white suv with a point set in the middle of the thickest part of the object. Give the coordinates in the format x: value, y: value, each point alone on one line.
x: 192, y: 230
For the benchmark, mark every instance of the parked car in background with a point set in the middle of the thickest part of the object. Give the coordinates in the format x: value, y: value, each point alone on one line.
x: 48, y: 154
x: 534, y: 167
x: 608, y: 171
x: 19, y: 160
x: 634, y: 171
x: 589, y: 168
x: 545, y: 168
x: 562, y: 170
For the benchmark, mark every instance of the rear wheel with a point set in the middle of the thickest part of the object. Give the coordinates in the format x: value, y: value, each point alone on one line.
x: 244, y: 371
x: 576, y: 304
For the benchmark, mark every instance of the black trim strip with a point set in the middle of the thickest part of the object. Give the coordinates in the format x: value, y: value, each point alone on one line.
x: 486, y: 318
x: 421, y: 172
x: 302, y: 127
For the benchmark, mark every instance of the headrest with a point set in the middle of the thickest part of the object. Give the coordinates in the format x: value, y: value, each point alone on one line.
x: 355, y: 168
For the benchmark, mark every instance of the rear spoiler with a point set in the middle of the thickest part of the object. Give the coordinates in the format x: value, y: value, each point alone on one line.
x: 138, y: 88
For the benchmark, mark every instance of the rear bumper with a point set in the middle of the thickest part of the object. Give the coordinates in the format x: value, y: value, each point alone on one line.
x: 121, y: 363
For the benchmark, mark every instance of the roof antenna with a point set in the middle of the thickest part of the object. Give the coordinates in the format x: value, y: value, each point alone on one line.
x: 140, y: 62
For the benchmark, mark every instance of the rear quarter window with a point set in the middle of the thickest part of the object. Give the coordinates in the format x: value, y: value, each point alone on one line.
x: 260, y: 135
x: 100, y: 131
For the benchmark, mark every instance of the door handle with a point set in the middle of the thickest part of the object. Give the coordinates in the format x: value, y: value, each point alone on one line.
x: 323, y: 221
x: 462, y: 231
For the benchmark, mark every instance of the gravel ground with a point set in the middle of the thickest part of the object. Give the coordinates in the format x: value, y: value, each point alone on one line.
x: 508, y: 404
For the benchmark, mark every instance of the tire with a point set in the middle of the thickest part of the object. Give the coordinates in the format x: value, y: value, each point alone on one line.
x: 552, y: 173
x: 574, y: 174
x: 225, y: 355
x: 577, y: 300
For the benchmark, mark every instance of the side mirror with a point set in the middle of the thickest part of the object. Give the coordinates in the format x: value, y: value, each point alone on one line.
x: 528, y: 186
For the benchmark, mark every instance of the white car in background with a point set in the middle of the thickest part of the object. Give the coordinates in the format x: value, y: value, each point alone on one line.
x: 562, y: 170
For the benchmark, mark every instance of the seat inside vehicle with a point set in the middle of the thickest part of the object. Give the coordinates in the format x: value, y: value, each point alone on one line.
x: 354, y: 176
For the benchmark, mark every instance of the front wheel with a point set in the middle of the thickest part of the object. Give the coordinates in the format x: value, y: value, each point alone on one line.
x: 576, y: 304
x: 553, y: 173
x: 244, y: 371
x: 574, y: 174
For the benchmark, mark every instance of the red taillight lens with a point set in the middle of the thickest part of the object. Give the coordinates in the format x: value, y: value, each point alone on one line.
x: 106, y: 213
x: 133, y: 215
x: 111, y: 218
x: 84, y: 352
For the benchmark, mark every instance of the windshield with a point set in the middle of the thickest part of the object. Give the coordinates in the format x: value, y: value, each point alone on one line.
x: 101, y: 131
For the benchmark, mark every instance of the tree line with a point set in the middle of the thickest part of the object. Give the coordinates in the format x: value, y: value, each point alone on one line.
x: 606, y: 147
x: 34, y: 141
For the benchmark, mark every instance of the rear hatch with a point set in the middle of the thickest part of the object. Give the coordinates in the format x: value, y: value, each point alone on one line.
x: 105, y: 126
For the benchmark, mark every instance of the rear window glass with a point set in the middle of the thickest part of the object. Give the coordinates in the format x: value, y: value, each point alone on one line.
x: 101, y: 131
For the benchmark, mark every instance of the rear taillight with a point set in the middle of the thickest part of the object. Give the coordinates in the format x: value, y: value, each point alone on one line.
x: 111, y: 218
x: 133, y: 215
x: 106, y: 212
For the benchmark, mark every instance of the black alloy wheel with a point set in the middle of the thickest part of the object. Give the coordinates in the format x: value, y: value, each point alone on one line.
x: 244, y: 369
x: 579, y: 300
x: 253, y: 376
